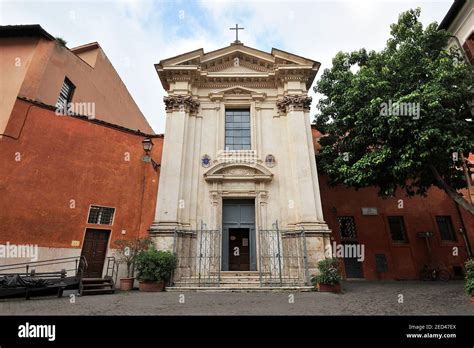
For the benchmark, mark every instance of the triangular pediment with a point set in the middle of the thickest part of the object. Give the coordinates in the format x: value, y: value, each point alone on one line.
x: 236, y: 60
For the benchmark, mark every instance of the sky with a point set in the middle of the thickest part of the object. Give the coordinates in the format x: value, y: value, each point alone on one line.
x: 135, y: 35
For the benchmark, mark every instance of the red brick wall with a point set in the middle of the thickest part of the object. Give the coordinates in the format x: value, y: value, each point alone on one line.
x: 404, y: 260
x: 64, y: 159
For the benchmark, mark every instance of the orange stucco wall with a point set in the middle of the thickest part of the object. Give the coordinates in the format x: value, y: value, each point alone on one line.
x: 63, y: 159
x: 419, y: 214
x: 50, y: 63
x: 15, y: 59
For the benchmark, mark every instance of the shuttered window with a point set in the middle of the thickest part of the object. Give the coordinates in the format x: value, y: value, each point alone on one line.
x: 65, y: 95
x: 469, y: 48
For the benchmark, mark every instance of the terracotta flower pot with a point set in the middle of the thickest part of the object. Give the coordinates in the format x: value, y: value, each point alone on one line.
x: 126, y: 284
x: 151, y: 286
x: 471, y: 299
x: 336, y: 288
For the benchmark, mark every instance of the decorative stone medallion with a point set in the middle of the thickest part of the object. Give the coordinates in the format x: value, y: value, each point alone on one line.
x: 205, y: 161
x: 270, y: 161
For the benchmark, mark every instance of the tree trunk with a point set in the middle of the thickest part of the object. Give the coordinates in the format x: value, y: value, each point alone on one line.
x: 451, y: 192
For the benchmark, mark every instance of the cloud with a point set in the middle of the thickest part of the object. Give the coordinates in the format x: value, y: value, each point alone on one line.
x: 137, y: 34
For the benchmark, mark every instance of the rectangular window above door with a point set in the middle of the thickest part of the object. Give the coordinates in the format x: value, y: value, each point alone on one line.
x: 101, y: 215
x: 237, y: 129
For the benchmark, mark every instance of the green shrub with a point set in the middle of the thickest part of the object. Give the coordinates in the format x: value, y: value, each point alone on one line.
x: 128, y: 250
x: 329, y: 272
x: 469, y: 286
x: 155, y: 265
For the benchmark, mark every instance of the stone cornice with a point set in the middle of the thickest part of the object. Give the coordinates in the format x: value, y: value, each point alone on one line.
x: 294, y: 103
x: 184, y: 103
x: 261, y: 67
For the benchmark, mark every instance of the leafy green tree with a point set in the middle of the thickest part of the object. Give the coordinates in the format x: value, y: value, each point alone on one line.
x: 398, y: 118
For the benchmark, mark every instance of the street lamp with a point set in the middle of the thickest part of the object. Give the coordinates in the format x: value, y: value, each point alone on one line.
x: 147, y: 147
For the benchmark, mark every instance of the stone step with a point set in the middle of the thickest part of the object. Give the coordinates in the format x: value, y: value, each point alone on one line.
x: 86, y: 292
x: 233, y: 285
x: 233, y: 279
x: 239, y: 273
x: 241, y: 289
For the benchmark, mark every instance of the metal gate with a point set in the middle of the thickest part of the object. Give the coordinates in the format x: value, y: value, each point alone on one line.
x: 199, y: 257
x: 283, y: 257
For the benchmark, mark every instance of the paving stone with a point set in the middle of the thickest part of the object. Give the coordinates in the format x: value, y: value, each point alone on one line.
x: 358, y: 298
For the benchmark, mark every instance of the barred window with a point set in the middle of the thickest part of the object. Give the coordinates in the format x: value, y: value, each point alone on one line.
x: 65, y: 95
x: 101, y: 215
x: 397, y: 229
x: 237, y: 129
x: 445, y: 227
x: 347, y: 227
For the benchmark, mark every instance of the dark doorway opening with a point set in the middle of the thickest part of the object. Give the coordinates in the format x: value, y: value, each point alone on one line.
x: 352, y: 265
x: 239, y: 256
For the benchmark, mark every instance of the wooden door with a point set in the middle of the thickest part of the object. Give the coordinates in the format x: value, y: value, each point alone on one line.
x: 239, y: 214
x: 239, y: 256
x: 94, y: 250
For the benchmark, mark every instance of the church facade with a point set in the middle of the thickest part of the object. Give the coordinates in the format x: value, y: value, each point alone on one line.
x: 238, y: 182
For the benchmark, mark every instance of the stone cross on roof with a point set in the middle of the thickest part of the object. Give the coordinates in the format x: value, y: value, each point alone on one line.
x: 236, y: 32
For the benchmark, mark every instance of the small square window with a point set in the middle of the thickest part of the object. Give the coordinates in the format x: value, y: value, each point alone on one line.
x: 101, y: 215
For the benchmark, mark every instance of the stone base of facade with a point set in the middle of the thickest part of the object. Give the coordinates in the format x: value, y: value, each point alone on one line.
x: 318, y: 242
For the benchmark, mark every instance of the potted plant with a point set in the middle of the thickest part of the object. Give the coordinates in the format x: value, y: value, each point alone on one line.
x: 329, y: 278
x: 469, y: 286
x: 128, y: 252
x: 154, y: 269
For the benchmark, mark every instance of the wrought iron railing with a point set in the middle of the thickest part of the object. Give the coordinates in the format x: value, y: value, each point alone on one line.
x: 112, y: 269
x: 78, y: 264
x: 283, y: 257
x: 199, y: 257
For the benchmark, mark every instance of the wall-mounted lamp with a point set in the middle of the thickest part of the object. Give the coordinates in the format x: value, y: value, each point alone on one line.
x: 147, y: 147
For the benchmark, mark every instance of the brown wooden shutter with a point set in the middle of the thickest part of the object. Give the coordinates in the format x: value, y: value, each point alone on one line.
x: 469, y: 48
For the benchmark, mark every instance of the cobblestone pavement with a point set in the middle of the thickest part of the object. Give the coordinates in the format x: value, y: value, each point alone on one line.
x: 359, y: 298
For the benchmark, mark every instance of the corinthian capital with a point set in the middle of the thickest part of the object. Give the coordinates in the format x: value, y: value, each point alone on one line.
x: 183, y: 103
x: 294, y: 103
